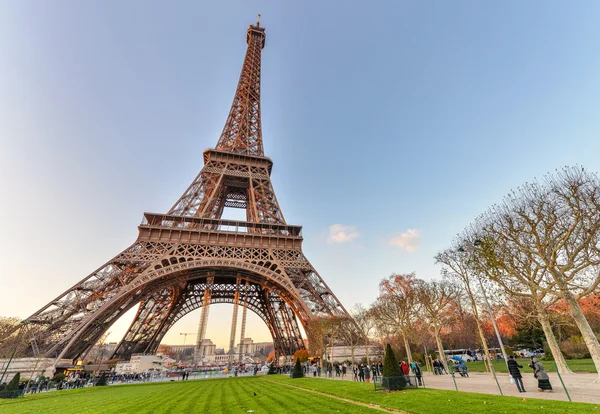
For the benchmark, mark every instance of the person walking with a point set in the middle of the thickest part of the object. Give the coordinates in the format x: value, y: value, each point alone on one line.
x: 513, y: 370
x: 406, y: 371
x: 367, y: 373
x: 540, y: 374
x: 361, y: 373
x: 417, y: 373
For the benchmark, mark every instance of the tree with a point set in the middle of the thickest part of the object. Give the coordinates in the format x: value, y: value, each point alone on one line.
x: 350, y: 335
x: 297, y: 373
x: 301, y: 354
x: 321, y: 332
x: 102, y: 380
x: 456, y: 265
x: 364, y: 321
x: 434, y: 298
x: 392, y: 376
x: 396, y: 306
x: 315, y: 334
x: 554, y: 225
x: 12, y: 387
x: 8, y: 325
x: 271, y: 356
x: 14, y: 337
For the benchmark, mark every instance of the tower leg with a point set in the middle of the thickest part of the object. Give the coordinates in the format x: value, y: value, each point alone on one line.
x: 236, y: 302
x: 203, y: 321
x: 243, y: 330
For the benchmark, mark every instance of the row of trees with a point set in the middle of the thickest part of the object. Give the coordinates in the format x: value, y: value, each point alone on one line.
x: 536, y: 255
x: 540, y: 247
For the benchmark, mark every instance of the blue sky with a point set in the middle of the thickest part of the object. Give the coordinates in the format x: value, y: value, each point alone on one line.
x: 395, y: 122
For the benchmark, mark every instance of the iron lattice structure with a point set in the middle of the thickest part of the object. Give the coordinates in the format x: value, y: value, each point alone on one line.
x: 191, y: 256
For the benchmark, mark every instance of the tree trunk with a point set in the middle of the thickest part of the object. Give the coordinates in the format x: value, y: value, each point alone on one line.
x: 407, y: 346
x: 367, y: 349
x: 331, y: 347
x: 559, y: 358
x: 438, y: 340
x: 479, y: 329
x: 584, y: 327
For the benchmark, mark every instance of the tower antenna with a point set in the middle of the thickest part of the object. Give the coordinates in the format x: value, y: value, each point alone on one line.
x: 258, y: 20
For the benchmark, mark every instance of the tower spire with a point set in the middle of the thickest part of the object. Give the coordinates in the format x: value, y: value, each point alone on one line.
x: 242, y: 133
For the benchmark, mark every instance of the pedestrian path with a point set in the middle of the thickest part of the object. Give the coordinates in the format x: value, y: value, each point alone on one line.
x: 582, y: 387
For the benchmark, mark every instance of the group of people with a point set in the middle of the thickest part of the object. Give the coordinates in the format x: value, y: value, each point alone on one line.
x: 438, y: 367
x: 538, y: 372
x: 363, y: 372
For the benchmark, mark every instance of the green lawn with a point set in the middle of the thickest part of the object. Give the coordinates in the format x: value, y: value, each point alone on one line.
x: 274, y: 395
x: 576, y: 365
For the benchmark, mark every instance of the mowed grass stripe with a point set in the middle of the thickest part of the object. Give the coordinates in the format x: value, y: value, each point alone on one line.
x: 240, y: 395
x: 300, y: 401
x: 196, y: 396
x: 344, y: 400
x: 169, y: 402
x: 433, y: 401
x: 208, y: 394
x: 259, y: 404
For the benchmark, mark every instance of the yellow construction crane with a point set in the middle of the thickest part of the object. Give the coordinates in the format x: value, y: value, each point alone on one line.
x: 185, y: 334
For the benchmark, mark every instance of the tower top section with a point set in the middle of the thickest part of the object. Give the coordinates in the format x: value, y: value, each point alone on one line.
x: 242, y: 133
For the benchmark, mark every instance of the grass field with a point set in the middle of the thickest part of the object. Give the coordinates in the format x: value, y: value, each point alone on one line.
x: 275, y: 394
x: 576, y: 365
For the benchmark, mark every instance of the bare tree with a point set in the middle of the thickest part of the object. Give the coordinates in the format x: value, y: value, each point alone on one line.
x: 555, y: 225
x: 15, y: 337
x: 350, y: 335
x: 322, y: 333
x: 434, y: 298
x: 456, y: 266
x: 397, y: 306
x: 365, y: 323
x: 316, y: 338
x: 521, y: 276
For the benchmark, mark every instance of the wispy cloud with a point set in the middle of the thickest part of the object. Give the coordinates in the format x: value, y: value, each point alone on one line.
x: 409, y: 240
x: 339, y: 233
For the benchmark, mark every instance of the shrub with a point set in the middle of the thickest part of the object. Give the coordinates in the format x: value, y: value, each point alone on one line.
x: 11, y: 390
x: 59, y: 377
x: 271, y: 370
x: 297, y: 373
x: 393, y: 378
x: 13, y: 385
x: 102, y: 380
x: 574, y: 347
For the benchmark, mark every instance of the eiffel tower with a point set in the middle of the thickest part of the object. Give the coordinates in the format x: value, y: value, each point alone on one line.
x: 190, y: 257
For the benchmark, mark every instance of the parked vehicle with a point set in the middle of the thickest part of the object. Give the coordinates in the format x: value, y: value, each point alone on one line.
x: 459, y: 355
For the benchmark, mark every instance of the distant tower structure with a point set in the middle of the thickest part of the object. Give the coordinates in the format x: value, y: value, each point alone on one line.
x: 243, y: 329
x: 190, y: 257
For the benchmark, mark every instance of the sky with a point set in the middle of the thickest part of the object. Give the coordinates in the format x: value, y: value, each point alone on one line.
x: 392, y: 125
